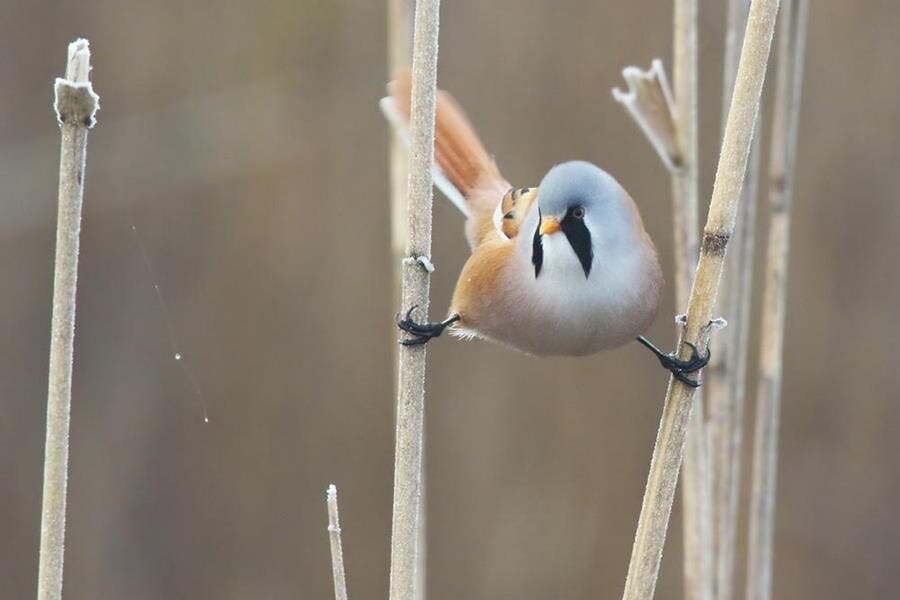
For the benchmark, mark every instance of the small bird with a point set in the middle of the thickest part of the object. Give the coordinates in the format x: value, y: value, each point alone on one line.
x: 562, y: 268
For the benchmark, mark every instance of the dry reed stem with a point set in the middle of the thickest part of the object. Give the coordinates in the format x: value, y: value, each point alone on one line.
x: 726, y: 389
x: 648, y: 100
x: 684, y: 179
x: 671, y: 127
x: 791, y: 44
x: 726, y: 376
x: 650, y: 103
x: 337, y: 552
x: 399, y: 34
x: 75, y: 105
x: 696, y: 490
x: 414, y: 291
x: 650, y: 537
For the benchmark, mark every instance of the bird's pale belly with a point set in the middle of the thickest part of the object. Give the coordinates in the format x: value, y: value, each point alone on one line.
x: 556, y: 314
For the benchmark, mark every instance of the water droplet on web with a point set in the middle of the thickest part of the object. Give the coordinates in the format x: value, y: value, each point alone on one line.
x: 173, y: 339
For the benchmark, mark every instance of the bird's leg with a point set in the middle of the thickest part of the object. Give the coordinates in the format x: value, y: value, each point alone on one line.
x: 422, y: 332
x: 679, y: 368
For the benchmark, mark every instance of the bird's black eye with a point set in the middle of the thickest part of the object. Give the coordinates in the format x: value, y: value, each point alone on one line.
x: 578, y: 212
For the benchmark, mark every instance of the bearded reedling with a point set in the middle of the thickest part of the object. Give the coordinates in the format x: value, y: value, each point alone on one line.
x: 564, y: 268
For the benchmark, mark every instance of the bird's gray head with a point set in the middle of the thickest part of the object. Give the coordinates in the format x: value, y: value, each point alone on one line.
x: 585, y: 204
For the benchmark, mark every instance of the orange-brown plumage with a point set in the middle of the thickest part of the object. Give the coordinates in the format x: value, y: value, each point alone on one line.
x: 543, y: 282
x: 462, y: 157
x: 480, y: 282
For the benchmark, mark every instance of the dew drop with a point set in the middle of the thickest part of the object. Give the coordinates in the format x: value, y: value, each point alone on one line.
x: 178, y: 356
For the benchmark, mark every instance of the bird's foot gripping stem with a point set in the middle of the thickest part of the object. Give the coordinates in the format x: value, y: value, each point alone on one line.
x: 422, y: 332
x: 679, y: 368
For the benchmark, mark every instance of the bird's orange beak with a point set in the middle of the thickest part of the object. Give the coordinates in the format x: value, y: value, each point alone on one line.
x: 549, y: 225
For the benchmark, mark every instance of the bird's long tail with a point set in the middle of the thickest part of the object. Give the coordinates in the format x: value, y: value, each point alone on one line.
x: 458, y: 152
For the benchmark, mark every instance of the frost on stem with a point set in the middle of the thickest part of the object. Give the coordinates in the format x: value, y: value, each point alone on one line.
x: 75, y: 101
x: 649, y: 102
x: 337, y: 553
x: 422, y: 261
x: 75, y: 105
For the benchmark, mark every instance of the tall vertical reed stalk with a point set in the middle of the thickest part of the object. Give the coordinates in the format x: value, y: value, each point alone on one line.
x: 75, y: 105
x: 791, y: 45
x: 399, y: 37
x: 643, y: 568
x: 414, y: 291
x: 671, y: 127
x: 696, y: 489
x: 726, y: 377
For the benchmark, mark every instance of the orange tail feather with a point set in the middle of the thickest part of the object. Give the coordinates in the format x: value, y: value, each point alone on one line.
x: 458, y: 151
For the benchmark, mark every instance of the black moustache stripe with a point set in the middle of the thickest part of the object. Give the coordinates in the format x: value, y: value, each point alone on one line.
x: 537, y: 248
x: 580, y: 239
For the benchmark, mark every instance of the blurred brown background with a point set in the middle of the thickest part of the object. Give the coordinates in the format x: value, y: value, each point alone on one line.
x: 243, y: 143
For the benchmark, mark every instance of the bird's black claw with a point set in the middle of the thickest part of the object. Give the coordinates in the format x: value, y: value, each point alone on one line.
x: 678, y: 367
x: 686, y: 380
x: 694, y: 363
x: 422, y: 333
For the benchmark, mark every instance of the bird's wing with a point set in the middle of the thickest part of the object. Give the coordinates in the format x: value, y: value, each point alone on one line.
x: 479, y: 297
